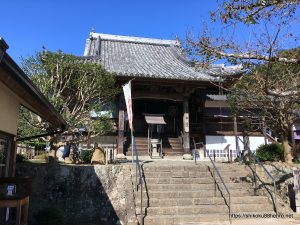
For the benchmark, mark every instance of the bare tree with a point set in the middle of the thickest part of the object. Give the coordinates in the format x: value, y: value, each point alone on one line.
x: 271, y: 28
x: 248, y: 97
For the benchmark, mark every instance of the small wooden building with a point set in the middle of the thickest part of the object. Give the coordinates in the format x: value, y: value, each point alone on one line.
x: 166, y: 83
x: 17, y: 89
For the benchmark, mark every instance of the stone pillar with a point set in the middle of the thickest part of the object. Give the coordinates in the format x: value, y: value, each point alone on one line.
x: 296, y: 188
x: 186, y: 130
x: 120, y: 150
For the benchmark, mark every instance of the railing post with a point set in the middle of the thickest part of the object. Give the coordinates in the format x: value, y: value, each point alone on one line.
x: 228, y: 157
x: 136, y: 174
x: 215, y: 186
x: 230, y: 209
x: 214, y: 153
x: 254, y: 179
x: 275, y: 198
x: 142, y: 211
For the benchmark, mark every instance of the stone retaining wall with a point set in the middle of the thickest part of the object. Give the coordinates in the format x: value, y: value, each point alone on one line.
x: 86, y: 194
x: 283, y: 176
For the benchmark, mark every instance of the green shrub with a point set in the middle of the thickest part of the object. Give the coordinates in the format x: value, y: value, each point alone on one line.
x: 50, y: 216
x: 86, y: 156
x: 21, y: 158
x: 271, y: 152
x: 296, y: 160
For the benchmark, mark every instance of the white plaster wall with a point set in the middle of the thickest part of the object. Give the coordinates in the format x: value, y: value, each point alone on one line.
x: 9, y: 110
x: 220, y: 142
x: 255, y: 142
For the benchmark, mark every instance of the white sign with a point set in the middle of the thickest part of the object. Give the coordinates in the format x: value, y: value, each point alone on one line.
x: 11, y: 190
x: 128, y: 100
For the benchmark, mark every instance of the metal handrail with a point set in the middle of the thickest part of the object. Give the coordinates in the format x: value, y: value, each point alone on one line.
x: 218, y: 173
x: 251, y: 154
x: 138, y: 171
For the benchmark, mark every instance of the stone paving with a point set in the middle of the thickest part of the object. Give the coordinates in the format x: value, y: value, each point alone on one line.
x: 251, y: 222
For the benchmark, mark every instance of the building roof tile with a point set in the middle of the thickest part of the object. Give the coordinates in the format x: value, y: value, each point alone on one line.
x: 143, y: 57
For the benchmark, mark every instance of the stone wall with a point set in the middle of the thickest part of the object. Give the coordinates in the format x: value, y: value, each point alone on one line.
x: 283, y: 175
x: 100, y: 194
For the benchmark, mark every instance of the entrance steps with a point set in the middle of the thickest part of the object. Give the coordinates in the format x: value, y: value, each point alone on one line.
x: 171, y: 146
x: 182, y: 194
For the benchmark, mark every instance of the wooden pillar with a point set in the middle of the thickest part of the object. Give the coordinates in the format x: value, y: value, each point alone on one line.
x: 264, y: 129
x: 120, y: 149
x: 186, y: 127
x: 293, y: 138
x: 13, y: 157
x: 235, y: 130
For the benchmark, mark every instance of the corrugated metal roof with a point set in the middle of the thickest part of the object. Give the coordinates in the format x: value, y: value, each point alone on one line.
x: 143, y: 57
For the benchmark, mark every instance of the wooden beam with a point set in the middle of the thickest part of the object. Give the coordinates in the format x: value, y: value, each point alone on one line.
x: 150, y: 95
x: 165, y: 82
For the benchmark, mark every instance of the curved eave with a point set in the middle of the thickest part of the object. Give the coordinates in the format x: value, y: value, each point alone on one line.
x: 17, y: 81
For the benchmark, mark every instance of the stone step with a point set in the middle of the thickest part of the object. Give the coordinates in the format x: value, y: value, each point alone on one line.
x: 187, y: 210
x: 229, y: 168
x: 206, y: 209
x: 172, y: 168
x: 213, y: 218
x: 174, y: 143
x: 177, y: 174
x: 192, y: 194
x: 173, y: 139
x: 233, y: 174
x: 163, y: 202
x: 252, y: 207
x: 199, y: 166
x: 184, y: 219
x: 192, y: 187
x: 141, y: 144
x: 193, y: 173
x: 173, y: 153
x: 196, y: 180
x: 174, y: 148
x: 167, y: 152
x: 203, y: 180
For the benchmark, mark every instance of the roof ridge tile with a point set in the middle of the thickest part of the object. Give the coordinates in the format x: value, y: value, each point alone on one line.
x: 142, y: 40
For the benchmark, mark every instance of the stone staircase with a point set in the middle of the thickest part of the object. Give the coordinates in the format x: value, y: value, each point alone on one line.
x: 185, y: 194
x: 173, y: 146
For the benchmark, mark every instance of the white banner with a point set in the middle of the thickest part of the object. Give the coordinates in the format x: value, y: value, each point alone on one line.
x: 128, y: 100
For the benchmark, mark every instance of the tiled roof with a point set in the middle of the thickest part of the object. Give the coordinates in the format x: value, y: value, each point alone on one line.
x: 142, y: 57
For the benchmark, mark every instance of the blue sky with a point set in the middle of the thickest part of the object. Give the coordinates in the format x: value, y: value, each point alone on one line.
x: 27, y: 25
x: 65, y: 24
